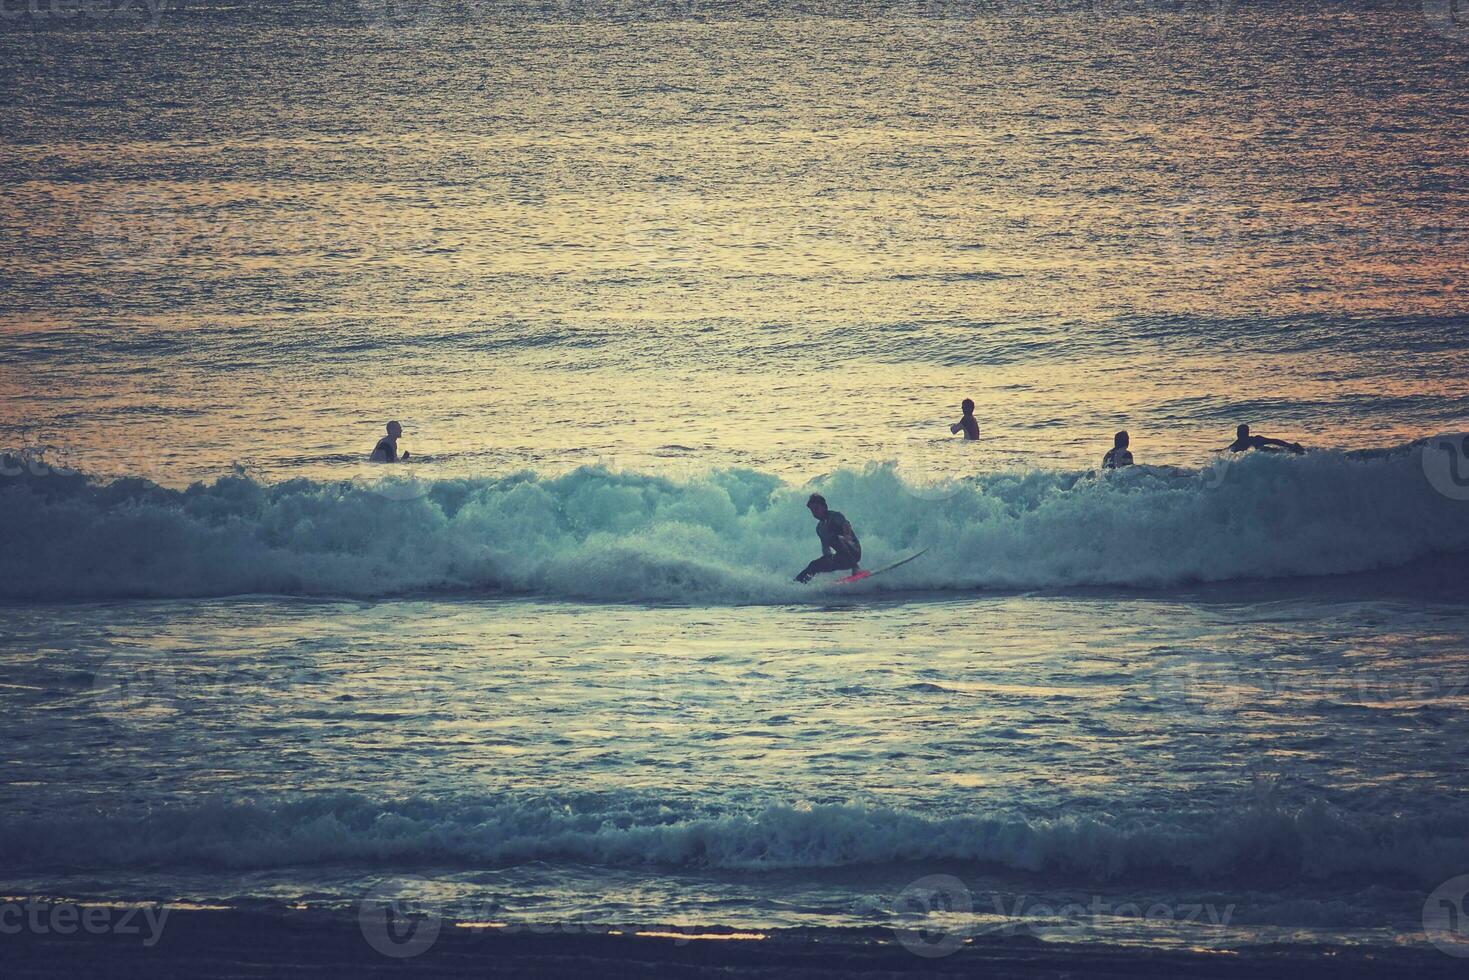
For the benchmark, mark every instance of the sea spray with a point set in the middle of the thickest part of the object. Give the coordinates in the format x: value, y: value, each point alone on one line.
x: 728, y: 536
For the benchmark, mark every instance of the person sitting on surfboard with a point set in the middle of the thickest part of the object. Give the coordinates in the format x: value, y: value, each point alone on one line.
x: 1118, y: 455
x: 840, y: 548
x: 1244, y: 441
x: 967, y: 422
x: 386, y: 450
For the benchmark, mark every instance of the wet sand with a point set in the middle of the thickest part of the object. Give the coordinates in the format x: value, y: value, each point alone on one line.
x: 290, y: 943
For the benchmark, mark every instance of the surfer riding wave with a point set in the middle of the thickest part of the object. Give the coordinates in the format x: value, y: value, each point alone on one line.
x: 840, y: 549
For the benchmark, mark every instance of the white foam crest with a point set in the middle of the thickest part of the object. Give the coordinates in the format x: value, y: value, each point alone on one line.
x: 730, y: 536
x: 1254, y: 842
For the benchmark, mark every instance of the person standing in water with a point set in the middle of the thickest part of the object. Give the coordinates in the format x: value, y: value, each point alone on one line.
x: 967, y: 422
x: 386, y: 450
x: 1118, y: 455
x: 1243, y: 441
x: 840, y: 548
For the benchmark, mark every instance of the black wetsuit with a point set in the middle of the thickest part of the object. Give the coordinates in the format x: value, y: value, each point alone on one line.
x: 1245, y: 443
x: 1116, y: 456
x: 840, y: 548
x: 970, y: 425
x: 386, y: 451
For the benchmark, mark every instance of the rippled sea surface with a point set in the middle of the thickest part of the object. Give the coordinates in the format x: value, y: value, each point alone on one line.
x: 254, y: 234
x: 529, y: 762
x: 634, y: 280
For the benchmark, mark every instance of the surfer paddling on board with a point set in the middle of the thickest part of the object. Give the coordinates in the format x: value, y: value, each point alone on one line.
x: 840, y: 548
x: 967, y: 421
x: 386, y: 450
x: 1244, y: 441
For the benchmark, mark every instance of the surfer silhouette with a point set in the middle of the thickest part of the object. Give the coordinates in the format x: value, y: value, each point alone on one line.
x: 1244, y: 441
x: 967, y: 422
x: 1118, y: 455
x: 840, y: 548
x: 386, y: 450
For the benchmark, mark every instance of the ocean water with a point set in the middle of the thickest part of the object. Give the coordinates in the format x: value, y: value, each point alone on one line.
x: 636, y: 279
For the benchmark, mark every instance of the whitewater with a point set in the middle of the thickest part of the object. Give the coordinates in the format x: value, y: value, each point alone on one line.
x: 729, y: 536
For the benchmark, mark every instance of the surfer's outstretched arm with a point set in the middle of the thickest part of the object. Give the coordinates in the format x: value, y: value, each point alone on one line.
x: 1290, y: 447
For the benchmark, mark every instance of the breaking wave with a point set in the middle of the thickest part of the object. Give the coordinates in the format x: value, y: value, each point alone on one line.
x: 1260, y: 842
x: 729, y: 536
